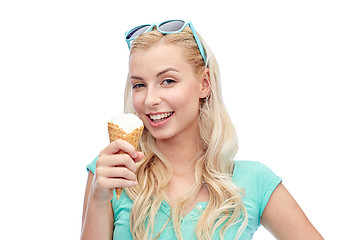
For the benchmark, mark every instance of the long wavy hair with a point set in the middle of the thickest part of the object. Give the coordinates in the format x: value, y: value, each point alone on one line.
x: 214, y: 165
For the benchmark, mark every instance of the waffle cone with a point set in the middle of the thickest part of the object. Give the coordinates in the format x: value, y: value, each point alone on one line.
x: 115, y: 132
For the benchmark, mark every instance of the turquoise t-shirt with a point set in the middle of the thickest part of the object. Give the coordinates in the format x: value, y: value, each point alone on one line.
x: 258, y: 181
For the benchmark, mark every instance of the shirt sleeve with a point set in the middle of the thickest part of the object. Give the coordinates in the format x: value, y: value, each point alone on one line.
x: 92, y: 166
x: 267, y: 181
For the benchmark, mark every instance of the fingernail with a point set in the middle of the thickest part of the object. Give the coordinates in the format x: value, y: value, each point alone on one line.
x: 135, y: 155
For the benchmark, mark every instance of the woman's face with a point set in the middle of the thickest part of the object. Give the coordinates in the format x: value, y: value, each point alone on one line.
x: 166, y: 91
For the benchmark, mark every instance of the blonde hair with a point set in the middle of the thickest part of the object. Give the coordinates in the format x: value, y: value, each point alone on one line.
x: 214, y: 166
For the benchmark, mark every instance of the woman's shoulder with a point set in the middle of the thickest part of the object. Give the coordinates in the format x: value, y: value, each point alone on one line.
x: 247, y: 167
x: 246, y: 163
x: 250, y: 168
x: 258, y: 182
x: 255, y: 176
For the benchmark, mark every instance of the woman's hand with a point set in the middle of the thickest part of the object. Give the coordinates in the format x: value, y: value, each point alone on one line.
x: 115, y: 168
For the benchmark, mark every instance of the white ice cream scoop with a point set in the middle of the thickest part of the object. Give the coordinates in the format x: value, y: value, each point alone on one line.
x: 128, y: 121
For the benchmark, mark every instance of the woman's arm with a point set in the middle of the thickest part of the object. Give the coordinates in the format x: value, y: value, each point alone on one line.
x: 284, y: 218
x: 97, y: 221
x: 113, y: 170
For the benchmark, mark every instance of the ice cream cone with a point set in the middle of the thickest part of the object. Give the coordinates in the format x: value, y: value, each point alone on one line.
x: 115, y: 132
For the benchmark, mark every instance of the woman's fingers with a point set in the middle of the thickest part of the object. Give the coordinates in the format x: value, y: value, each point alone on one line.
x: 140, y: 156
x: 119, y: 145
x: 111, y: 183
x: 116, y: 172
x: 115, y: 168
x: 116, y: 160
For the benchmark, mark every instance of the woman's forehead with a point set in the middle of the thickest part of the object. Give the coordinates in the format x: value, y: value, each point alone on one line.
x: 160, y: 55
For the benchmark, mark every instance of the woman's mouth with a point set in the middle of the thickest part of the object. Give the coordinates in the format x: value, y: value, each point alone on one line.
x: 159, y: 116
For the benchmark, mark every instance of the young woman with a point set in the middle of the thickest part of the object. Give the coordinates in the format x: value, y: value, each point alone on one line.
x: 183, y: 182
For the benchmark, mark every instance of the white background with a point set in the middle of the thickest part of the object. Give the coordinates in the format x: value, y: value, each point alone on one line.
x: 62, y: 69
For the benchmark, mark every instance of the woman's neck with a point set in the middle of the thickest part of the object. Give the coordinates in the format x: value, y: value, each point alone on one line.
x: 181, y: 153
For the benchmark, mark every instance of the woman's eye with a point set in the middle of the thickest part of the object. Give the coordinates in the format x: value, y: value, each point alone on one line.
x: 138, y: 85
x: 168, y: 81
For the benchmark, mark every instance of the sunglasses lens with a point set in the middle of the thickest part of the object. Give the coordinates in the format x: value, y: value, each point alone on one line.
x: 171, y: 26
x: 137, y: 31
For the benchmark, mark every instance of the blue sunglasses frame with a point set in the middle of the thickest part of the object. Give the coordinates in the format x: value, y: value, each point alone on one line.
x: 151, y: 26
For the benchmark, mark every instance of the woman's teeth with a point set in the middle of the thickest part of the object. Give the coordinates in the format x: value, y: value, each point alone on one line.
x: 160, y: 117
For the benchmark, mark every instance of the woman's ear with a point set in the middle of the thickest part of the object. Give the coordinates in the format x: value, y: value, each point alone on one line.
x: 205, y: 84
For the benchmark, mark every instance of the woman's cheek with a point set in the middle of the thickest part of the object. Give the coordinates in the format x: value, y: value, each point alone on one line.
x: 136, y: 102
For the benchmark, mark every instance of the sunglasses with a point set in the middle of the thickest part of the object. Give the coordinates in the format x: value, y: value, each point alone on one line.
x: 167, y: 27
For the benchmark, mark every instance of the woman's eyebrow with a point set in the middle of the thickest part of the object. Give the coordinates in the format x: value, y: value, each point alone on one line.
x: 136, y: 77
x: 166, y: 70
x: 157, y: 75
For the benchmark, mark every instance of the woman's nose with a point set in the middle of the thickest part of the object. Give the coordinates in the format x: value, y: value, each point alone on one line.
x: 153, y: 97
